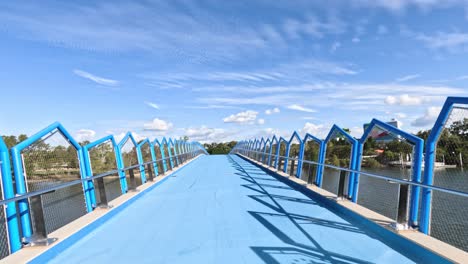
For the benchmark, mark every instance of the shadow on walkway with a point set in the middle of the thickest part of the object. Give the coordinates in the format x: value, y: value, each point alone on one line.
x: 302, y: 253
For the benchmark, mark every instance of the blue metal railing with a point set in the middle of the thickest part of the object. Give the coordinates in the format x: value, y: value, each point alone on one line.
x: 19, y: 223
x: 419, y: 214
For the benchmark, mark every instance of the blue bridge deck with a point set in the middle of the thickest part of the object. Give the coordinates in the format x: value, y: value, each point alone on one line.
x: 224, y: 209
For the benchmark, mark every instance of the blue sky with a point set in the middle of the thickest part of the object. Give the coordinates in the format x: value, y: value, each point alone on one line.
x: 223, y: 70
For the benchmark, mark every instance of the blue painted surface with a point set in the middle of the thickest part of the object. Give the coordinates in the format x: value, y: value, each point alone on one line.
x: 223, y: 209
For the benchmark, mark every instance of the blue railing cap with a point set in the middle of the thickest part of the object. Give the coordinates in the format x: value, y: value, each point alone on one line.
x: 295, y: 135
x: 146, y: 140
x: 308, y: 135
x: 350, y: 139
x: 274, y: 138
x: 56, y: 125
x: 100, y: 141
x: 443, y: 116
x: 127, y: 136
x: 3, y: 146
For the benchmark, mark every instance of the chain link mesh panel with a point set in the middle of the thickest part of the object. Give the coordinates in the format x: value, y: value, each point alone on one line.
x: 4, y: 243
x: 166, y: 157
x: 388, y: 155
x: 267, y: 153
x: 293, y: 153
x: 282, y: 155
x: 49, y: 162
x: 157, y: 152
x: 130, y: 158
x: 338, y: 153
x: 273, y: 154
x: 102, y: 159
x: 449, y: 219
x: 173, y: 158
x: 146, y: 153
x: 311, y: 153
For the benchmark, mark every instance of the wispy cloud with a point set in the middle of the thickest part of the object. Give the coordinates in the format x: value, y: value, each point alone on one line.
x: 405, y: 99
x: 96, y: 79
x: 158, y: 125
x: 247, y: 117
x: 272, y: 111
x: 408, y: 78
x: 444, y: 40
x: 85, y: 134
x: 153, y: 105
x: 301, y: 108
x: 428, y: 118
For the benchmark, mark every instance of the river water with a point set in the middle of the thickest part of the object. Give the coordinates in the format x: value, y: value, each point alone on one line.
x: 449, y: 221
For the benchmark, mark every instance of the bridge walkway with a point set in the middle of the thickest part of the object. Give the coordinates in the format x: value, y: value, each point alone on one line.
x: 224, y: 209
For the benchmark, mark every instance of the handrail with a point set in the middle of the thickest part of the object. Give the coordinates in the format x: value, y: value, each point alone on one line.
x: 400, y: 181
x: 78, y: 181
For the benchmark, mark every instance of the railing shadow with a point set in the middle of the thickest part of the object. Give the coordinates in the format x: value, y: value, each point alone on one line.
x: 313, y: 251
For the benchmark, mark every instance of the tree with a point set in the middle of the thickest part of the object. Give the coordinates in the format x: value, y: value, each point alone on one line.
x: 12, y: 141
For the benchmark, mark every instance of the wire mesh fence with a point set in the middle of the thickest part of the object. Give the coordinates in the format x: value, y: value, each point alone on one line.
x: 311, y: 153
x: 4, y: 243
x: 448, y: 222
x: 294, y: 149
x: 282, y: 153
x: 267, y: 153
x: 338, y: 153
x: 49, y: 162
x: 166, y: 157
x: 272, y: 157
x: 102, y: 159
x: 130, y: 158
x: 173, y: 157
x: 146, y: 155
x: 157, y: 152
x: 390, y: 155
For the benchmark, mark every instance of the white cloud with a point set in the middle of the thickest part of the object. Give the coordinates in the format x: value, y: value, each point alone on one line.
x: 206, y: 134
x: 453, y: 41
x: 153, y: 105
x: 85, y: 134
x: 408, y: 77
x: 272, y: 111
x: 247, y: 117
x: 301, y: 108
x: 158, y: 125
x: 356, y: 40
x: 261, y: 121
x: 312, y: 26
x: 428, y: 118
x: 96, y: 79
x: 356, y: 131
x: 405, y: 100
x: 319, y: 130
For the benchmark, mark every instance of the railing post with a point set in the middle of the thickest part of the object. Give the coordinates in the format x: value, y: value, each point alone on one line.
x: 341, y: 185
x: 402, y: 215
x: 102, y: 194
x: 39, y: 235
x: 150, y: 172
x: 291, y: 172
x: 132, y: 181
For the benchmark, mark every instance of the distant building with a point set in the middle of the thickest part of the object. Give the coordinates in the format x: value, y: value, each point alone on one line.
x: 382, y: 136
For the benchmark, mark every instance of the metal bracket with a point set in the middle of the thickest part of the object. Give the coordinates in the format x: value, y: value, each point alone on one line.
x: 150, y: 172
x: 341, y: 185
x: 132, y: 187
x: 39, y: 238
x: 104, y: 204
